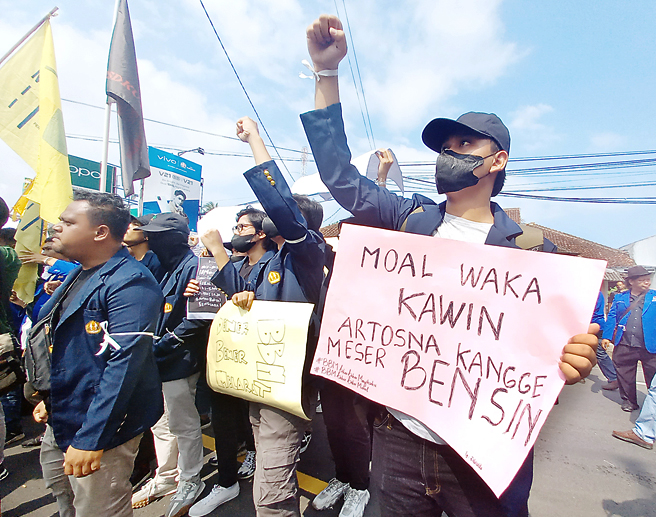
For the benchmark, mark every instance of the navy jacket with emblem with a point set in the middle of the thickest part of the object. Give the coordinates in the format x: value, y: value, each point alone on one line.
x: 378, y: 207
x: 101, y: 401
x: 295, y: 272
x: 180, y: 349
x: 229, y: 281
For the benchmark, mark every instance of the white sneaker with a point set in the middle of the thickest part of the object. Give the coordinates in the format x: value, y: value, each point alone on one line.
x: 247, y: 469
x: 216, y: 498
x: 330, y: 495
x: 354, y: 503
x: 186, y: 494
x: 151, y: 492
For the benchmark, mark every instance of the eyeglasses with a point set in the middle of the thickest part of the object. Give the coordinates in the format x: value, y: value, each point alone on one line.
x: 239, y: 228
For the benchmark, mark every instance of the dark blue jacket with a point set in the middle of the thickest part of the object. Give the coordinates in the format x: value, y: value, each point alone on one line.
x: 229, y: 281
x: 180, y: 349
x: 151, y: 261
x: 621, y: 303
x: 378, y: 207
x: 101, y: 401
x: 295, y: 272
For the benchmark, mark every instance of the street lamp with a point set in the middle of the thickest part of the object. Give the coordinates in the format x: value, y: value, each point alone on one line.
x: 198, y: 150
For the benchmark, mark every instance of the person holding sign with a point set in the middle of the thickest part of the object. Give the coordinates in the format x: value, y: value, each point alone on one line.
x: 470, y: 169
x: 293, y: 274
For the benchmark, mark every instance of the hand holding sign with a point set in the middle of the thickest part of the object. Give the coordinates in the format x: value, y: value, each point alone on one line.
x: 463, y: 337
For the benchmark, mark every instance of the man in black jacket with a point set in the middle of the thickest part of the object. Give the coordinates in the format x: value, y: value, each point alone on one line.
x: 179, y: 350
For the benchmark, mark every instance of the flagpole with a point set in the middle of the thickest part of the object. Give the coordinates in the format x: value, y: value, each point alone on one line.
x: 108, y: 113
x: 33, y: 29
x: 141, y: 199
x: 103, y: 163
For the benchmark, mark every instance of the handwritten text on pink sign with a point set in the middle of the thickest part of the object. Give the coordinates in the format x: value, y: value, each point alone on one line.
x: 465, y: 338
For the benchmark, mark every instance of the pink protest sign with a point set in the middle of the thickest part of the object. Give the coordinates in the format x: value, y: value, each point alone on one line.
x: 464, y: 337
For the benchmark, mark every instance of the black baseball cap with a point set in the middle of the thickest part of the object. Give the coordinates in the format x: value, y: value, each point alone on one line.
x: 167, y: 222
x: 488, y: 125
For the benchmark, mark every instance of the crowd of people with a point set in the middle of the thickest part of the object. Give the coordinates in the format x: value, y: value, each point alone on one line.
x: 124, y: 365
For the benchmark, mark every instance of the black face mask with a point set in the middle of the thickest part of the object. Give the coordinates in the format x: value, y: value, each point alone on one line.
x: 170, y: 247
x: 242, y: 243
x: 454, y: 172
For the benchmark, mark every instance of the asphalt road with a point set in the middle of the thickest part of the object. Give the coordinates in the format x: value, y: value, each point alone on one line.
x: 580, y: 469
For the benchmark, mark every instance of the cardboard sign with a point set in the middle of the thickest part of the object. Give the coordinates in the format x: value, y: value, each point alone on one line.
x: 209, y: 300
x: 465, y: 338
x: 258, y: 355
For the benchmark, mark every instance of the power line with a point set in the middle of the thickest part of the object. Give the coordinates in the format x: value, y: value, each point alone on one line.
x: 357, y: 66
x: 181, y: 127
x: 244, y: 89
x: 618, y: 201
x: 355, y: 85
x: 174, y: 148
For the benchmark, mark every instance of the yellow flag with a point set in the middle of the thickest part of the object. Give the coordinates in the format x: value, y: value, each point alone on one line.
x: 31, y: 121
x: 28, y: 238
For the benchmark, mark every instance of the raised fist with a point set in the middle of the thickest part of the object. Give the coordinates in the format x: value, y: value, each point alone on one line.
x: 326, y: 42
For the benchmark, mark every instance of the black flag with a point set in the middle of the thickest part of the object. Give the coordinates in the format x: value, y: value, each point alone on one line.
x: 123, y: 87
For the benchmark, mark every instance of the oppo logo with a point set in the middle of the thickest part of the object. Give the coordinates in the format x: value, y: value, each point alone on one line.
x: 83, y: 172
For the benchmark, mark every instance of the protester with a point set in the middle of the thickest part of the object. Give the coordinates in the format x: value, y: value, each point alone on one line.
x: 470, y: 169
x: 631, y: 326
x: 179, y: 350
x: 294, y: 273
x: 136, y: 242
x: 347, y: 416
x: 619, y: 287
x: 12, y: 400
x: 604, y: 362
x: 105, y: 389
x: 9, y: 267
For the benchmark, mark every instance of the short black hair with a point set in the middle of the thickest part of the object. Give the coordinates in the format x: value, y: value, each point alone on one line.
x: 107, y: 209
x: 256, y: 217
x: 4, y: 212
x: 311, y: 210
x: 8, y: 235
x: 501, y: 175
x: 180, y: 193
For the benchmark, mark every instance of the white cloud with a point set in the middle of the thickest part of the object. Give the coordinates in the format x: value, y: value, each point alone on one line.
x: 608, y: 141
x: 529, y: 133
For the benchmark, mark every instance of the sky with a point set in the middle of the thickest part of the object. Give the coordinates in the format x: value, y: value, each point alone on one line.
x: 568, y: 78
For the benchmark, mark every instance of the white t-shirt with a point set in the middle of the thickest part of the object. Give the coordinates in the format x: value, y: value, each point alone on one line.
x: 458, y: 229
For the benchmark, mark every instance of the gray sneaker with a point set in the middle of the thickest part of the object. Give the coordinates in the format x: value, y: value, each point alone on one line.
x: 354, y: 503
x: 247, y: 468
x: 330, y: 495
x: 187, y: 492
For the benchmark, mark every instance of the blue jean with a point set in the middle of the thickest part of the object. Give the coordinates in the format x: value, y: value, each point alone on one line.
x: 606, y: 364
x: 645, y: 426
x: 420, y: 478
x: 11, y: 404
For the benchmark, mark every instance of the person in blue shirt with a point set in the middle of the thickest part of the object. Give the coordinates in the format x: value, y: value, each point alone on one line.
x: 105, y: 387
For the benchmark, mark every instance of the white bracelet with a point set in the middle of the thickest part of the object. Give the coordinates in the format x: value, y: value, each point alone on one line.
x: 316, y: 75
